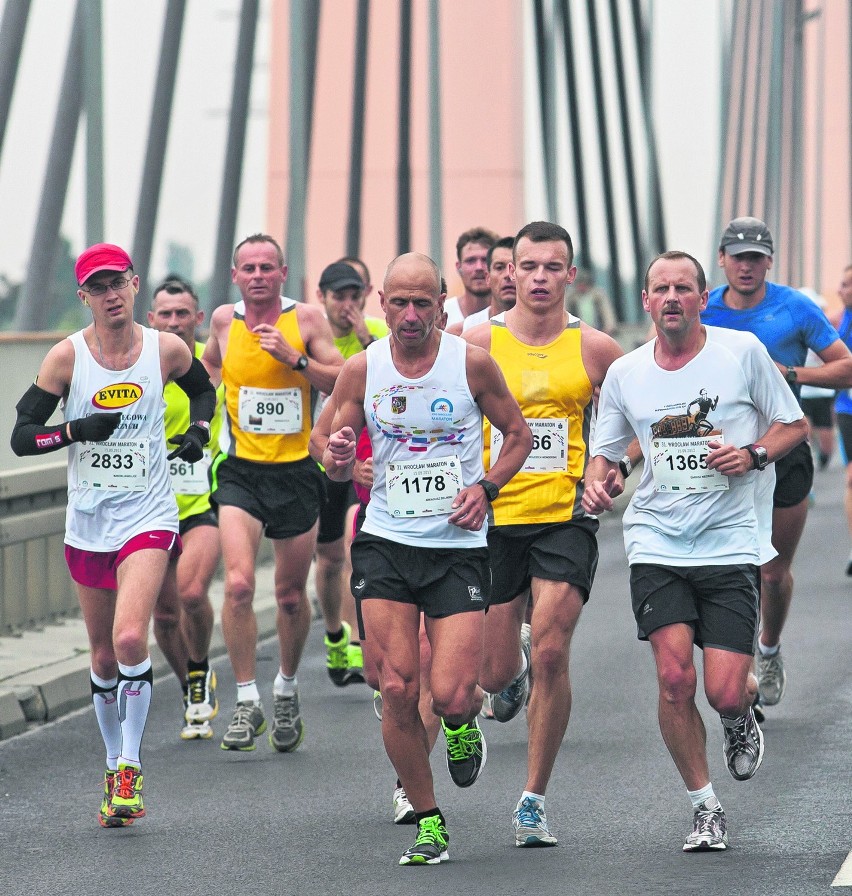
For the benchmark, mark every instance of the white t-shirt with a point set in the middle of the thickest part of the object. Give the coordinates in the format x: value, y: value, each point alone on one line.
x: 427, y: 445
x: 682, y: 514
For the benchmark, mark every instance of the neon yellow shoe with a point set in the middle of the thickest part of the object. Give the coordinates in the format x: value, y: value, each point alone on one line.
x: 127, y: 793
x: 337, y: 656
x: 106, y: 817
x: 355, y: 664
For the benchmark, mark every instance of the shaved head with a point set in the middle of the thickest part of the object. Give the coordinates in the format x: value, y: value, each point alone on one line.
x: 413, y: 264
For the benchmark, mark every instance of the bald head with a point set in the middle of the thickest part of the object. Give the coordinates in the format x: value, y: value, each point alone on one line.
x: 412, y: 301
x: 411, y: 268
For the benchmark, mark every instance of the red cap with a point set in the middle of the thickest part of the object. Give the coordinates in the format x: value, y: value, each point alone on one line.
x: 101, y: 257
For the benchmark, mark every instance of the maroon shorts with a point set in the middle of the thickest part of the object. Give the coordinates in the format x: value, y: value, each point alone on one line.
x: 97, y: 569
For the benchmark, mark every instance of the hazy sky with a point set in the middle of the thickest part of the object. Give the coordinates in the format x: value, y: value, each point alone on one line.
x: 686, y: 100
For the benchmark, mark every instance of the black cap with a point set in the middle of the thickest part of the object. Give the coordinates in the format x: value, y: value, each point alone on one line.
x: 747, y: 235
x: 339, y: 276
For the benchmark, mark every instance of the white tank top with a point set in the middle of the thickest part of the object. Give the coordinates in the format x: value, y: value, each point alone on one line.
x: 119, y: 488
x: 427, y: 446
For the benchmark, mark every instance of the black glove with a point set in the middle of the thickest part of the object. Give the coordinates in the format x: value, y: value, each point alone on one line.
x: 190, y: 444
x: 95, y: 427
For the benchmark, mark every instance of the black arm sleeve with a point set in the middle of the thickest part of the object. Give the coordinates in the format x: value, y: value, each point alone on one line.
x: 30, y: 435
x: 202, y: 395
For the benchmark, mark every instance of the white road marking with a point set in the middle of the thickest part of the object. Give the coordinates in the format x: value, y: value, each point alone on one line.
x: 844, y: 876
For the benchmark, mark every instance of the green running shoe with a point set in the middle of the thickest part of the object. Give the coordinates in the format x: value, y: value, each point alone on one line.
x: 466, y: 752
x: 337, y: 656
x: 430, y: 847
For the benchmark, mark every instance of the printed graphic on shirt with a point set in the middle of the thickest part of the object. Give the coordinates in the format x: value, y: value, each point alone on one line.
x: 430, y: 417
x: 680, y: 443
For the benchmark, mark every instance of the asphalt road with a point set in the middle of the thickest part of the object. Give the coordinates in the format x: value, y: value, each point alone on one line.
x: 318, y: 821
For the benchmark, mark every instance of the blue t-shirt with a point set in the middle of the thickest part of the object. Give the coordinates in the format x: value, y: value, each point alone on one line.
x: 786, y: 321
x: 843, y: 402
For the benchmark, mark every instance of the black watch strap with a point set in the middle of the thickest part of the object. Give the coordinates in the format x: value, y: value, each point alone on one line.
x: 759, y: 456
x: 491, y: 490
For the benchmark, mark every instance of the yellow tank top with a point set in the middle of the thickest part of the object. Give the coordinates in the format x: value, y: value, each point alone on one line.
x: 555, y: 395
x: 176, y: 421
x: 267, y: 405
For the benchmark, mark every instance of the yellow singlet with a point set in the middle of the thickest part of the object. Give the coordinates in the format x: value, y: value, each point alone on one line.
x: 555, y: 395
x: 267, y: 404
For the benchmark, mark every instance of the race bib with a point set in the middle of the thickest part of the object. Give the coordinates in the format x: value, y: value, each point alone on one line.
x: 190, y: 479
x: 267, y: 411
x: 680, y: 465
x: 115, y: 465
x: 550, y: 445
x: 422, y: 487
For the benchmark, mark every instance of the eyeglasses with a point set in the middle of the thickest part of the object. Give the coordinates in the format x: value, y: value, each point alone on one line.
x: 100, y: 289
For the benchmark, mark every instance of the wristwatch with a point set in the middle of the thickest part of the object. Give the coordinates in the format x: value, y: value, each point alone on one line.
x: 491, y: 490
x: 759, y: 456
x: 791, y: 376
x: 626, y: 466
x: 302, y: 363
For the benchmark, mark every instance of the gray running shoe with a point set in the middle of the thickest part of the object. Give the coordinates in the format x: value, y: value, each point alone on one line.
x: 709, y: 829
x: 287, y: 728
x: 509, y: 702
x: 743, y: 747
x: 248, y: 722
x: 403, y: 811
x: 771, y: 678
x: 530, y: 824
x: 466, y: 752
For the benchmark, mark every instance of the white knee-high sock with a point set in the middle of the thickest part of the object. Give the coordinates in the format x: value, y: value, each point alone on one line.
x: 135, y: 684
x: 106, y: 712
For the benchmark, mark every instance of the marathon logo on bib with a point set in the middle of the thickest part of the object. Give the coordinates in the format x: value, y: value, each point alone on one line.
x: 121, y: 395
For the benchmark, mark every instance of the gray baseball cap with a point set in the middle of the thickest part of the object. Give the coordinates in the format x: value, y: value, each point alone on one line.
x: 747, y: 235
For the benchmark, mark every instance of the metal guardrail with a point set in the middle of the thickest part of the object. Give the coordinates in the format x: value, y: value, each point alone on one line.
x: 36, y: 587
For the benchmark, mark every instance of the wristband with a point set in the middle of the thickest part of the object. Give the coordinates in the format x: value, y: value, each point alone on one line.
x: 626, y: 466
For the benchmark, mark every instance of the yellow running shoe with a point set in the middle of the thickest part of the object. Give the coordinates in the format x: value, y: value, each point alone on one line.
x: 127, y: 792
x: 106, y: 817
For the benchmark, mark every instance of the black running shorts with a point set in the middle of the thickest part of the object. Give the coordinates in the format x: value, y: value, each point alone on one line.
x: 559, y: 552
x: 286, y: 498
x: 794, y: 476
x: 440, y: 581
x: 720, y: 603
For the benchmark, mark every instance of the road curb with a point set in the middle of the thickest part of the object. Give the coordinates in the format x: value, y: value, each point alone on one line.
x: 43, y: 692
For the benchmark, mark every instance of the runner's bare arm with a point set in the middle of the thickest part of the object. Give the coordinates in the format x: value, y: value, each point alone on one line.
x: 348, y: 396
